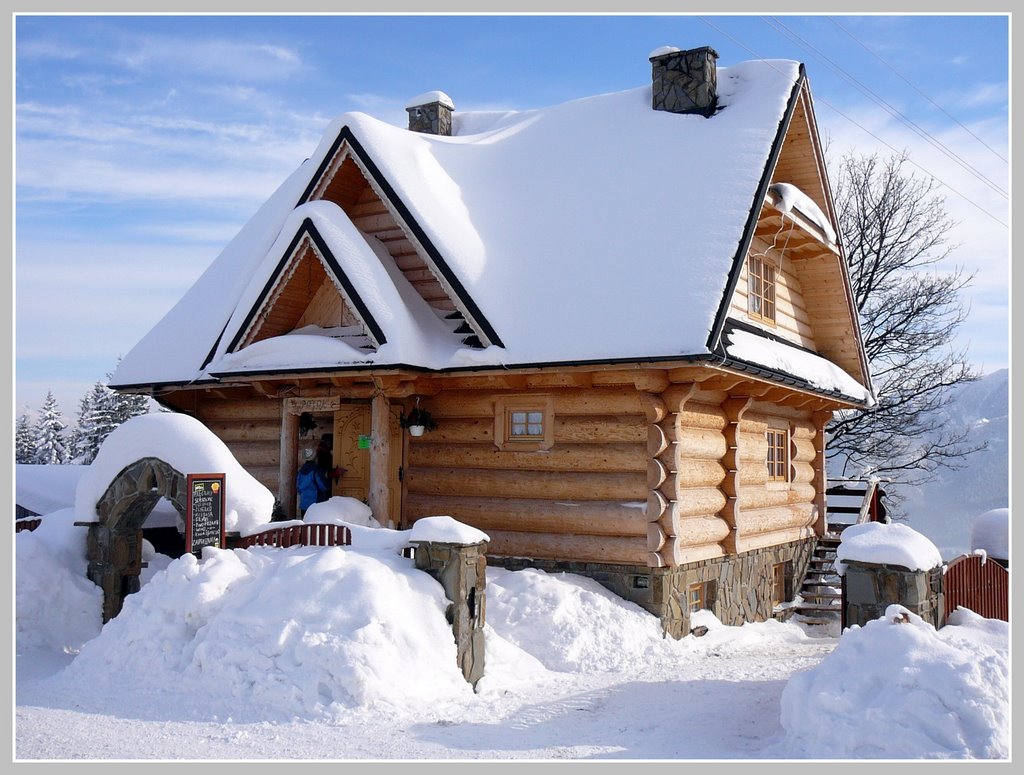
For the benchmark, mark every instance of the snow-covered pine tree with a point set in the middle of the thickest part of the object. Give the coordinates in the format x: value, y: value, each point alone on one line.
x: 24, y: 440
x: 96, y: 421
x: 50, y: 444
x: 124, y: 406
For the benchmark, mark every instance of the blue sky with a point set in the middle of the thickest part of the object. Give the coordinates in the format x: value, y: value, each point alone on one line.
x: 143, y: 143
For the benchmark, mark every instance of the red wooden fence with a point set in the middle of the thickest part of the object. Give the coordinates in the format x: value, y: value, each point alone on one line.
x: 982, y: 585
x: 309, y: 534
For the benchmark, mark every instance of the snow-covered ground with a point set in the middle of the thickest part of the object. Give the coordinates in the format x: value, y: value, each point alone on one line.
x: 344, y: 654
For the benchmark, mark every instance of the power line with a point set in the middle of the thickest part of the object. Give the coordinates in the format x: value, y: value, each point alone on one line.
x: 894, y: 112
x: 858, y: 125
x: 915, y: 88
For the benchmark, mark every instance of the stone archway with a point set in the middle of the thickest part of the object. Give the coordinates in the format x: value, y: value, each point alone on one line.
x: 114, y: 548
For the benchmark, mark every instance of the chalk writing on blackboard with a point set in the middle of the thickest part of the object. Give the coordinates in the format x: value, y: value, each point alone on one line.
x: 204, y: 517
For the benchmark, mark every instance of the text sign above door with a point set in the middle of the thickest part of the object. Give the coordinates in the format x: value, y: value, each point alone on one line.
x: 312, y: 404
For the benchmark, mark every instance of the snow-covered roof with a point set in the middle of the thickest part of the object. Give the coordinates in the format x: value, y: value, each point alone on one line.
x: 595, y: 230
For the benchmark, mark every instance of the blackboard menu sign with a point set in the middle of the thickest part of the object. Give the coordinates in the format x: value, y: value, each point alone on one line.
x: 204, y: 513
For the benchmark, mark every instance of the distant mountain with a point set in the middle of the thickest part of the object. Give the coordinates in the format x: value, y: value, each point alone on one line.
x: 944, y: 509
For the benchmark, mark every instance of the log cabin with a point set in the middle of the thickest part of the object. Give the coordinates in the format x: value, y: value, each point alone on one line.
x: 629, y: 317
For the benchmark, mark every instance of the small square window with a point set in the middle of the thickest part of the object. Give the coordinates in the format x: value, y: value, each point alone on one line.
x: 523, y: 422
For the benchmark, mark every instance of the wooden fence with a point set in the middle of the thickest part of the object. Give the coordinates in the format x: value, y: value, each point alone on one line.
x: 977, y: 583
x: 27, y: 524
x: 309, y: 534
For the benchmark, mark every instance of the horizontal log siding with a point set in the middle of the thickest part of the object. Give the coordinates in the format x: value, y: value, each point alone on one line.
x: 251, y: 429
x: 583, y: 499
x: 775, y: 512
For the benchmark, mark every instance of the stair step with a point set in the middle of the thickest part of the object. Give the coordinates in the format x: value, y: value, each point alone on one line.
x: 821, y: 595
x: 817, y: 607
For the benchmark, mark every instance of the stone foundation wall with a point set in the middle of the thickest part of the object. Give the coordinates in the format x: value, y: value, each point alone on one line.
x: 739, y: 586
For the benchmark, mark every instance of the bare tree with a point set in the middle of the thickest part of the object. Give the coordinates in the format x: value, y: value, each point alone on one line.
x: 894, y: 228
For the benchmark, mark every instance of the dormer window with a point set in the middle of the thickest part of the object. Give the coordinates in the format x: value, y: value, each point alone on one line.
x: 761, y: 289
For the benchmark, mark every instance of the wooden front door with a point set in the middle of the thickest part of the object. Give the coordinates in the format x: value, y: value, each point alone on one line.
x: 352, y: 453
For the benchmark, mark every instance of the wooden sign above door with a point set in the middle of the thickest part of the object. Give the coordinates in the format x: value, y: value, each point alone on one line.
x: 312, y: 404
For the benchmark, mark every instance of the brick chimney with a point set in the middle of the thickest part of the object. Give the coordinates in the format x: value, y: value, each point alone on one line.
x: 684, y: 81
x: 431, y: 113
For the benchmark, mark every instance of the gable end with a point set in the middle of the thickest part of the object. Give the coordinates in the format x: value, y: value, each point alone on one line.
x: 465, y: 304
x: 337, y: 274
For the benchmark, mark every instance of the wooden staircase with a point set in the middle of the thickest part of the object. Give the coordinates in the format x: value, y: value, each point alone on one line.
x: 820, y: 597
x: 820, y: 594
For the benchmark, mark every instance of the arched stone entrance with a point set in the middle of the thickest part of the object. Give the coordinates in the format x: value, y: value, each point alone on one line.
x: 114, y: 547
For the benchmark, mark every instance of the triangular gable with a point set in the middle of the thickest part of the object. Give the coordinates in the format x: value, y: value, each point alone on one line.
x: 296, y: 283
x: 818, y: 266
x: 349, y: 177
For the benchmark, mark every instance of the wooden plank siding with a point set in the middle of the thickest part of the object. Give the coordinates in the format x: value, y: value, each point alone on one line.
x: 792, y: 321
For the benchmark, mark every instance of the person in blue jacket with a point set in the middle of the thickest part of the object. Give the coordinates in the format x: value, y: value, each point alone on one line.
x: 310, y: 482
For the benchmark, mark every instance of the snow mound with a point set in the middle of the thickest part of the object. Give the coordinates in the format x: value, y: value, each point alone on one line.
x: 186, y: 445
x: 570, y: 623
x: 897, y: 688
x: 268, y: 634
x: 51, y: 560
x: 990, y: 532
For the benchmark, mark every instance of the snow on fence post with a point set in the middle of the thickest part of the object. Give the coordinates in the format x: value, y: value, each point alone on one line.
x: 883, y: 564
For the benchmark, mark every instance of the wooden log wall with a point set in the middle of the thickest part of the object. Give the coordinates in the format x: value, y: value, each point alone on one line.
x: 251, y: 428
x: 584, y: 499
x: 709, y: 489
x: 776, y: 512
x: 686, y: 476
x: 792, y: 321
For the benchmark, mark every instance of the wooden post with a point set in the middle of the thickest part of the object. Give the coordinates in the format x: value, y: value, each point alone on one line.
x: 820, y: 481
x: 288, y: 465
x: 380, y: 458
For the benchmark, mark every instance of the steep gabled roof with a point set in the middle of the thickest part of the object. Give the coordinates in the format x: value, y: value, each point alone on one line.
x: 598, y: 230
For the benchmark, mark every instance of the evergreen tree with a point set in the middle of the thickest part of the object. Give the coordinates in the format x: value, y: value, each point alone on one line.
x: 124, y: 406
x: 50, y: 444
x: 24, y: 440
x: 96, y: 421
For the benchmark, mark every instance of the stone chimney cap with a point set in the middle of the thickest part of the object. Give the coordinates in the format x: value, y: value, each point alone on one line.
x: 662, y: 50
x: 429, y: 98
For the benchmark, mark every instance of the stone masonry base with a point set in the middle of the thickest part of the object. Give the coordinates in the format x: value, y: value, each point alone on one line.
x: 737, y: 588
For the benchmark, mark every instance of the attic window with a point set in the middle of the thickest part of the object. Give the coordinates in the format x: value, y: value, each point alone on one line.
x: 761, y: 289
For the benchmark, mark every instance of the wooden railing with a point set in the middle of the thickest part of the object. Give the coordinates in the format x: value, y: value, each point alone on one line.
x: 854, y: 501
x: 308, y: 534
